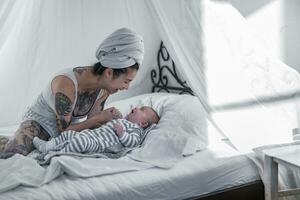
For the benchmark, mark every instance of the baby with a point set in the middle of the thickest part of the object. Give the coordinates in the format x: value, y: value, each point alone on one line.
x: 127, y: 131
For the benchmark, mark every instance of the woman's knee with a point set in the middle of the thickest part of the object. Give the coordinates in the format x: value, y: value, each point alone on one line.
x: 3, y: 142
x: 32, y: 129
x: 22, y: 141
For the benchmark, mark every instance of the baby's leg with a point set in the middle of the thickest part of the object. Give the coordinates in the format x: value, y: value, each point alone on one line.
x: 44, y: 146
x: 82, y: 143
x: 53, y: 144
x: 65, y: 136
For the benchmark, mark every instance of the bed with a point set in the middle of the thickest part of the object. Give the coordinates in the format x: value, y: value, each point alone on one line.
x: 214, y: 172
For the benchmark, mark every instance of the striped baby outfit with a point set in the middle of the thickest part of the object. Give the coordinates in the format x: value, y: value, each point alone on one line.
x: 97, y: 140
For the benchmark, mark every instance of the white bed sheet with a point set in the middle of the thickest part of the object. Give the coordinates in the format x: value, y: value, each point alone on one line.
x: 216, y: 168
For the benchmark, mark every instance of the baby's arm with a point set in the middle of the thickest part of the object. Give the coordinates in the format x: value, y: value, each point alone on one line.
x: 119, y: 130
x: 127, y: 138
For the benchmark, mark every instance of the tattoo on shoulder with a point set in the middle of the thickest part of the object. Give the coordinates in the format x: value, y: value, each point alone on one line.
x: 63, y: 104
x: 80, y: 70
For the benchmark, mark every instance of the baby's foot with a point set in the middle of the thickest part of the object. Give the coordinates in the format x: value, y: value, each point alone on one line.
x: 42, y: 145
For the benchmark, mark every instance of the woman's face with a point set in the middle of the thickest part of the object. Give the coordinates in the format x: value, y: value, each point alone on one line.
x: 122, y: 81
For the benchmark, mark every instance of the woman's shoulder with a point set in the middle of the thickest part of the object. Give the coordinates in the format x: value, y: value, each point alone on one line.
x: 64, y: 78
x: 63, y: 84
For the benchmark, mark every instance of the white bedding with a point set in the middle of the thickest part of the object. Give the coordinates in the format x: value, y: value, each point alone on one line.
x: 216, y: 168
x: 157, y: 170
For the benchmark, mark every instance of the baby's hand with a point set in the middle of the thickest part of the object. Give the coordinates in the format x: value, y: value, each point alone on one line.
x: 116, y: 114
x: 119, y: 129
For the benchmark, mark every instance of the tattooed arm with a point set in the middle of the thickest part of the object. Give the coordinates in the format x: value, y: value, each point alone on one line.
x: 99, y: 105
x: 64, y: 93
x: 103, y: 116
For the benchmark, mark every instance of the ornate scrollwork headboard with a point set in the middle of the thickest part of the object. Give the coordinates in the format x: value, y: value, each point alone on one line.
x: 160, y: 79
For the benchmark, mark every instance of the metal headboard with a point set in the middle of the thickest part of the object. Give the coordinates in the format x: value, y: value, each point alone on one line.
x: 162, y: 82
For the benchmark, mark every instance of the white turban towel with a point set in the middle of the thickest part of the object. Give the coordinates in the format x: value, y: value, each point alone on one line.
x: 123, y: 48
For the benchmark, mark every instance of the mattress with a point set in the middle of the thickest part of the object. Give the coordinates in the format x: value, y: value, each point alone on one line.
x: 217, y: 168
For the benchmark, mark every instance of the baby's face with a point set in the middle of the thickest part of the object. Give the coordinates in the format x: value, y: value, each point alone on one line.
x: 137, y: 115
x: 141, y: 115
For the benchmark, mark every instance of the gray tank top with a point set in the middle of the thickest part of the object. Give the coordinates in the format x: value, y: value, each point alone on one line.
x: 43, y: 108
x: 47, y: 93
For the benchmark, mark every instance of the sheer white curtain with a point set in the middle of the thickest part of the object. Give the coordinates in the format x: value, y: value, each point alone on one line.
x: 228, y: 67
x: 179, y: 23
x: 40, y: 37
x: 248, y: 93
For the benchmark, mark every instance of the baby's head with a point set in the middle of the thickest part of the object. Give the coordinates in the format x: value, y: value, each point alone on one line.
x: 144, y: 116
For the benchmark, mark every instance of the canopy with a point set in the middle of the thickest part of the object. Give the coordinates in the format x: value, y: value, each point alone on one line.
x: 250, y: 96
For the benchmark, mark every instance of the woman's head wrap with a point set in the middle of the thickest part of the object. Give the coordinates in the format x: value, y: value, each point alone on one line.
x: 123, y: 48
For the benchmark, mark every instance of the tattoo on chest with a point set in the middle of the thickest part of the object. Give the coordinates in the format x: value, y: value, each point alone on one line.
x: 85, y: 101
x: 63, y: 104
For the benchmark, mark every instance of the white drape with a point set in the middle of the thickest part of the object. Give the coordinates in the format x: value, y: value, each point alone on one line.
x: 40, y: 37
x: 229, y: 68
x: 250, y: 96
x: 224, y: 62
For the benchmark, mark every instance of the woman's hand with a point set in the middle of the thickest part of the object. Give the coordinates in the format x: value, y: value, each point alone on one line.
x: 113, y: 113
x: 116, y: 114
x: 105, y: 116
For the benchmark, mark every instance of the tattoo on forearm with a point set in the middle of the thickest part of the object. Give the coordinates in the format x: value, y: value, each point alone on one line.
x: 62, y: 122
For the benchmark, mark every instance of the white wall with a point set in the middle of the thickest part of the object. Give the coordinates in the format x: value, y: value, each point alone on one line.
x: 278, y: 23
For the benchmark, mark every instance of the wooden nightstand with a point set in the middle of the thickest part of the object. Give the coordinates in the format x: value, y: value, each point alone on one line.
x: 288, y: 156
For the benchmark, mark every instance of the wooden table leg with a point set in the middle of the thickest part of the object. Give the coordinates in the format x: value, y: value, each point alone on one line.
x: 271, y: 178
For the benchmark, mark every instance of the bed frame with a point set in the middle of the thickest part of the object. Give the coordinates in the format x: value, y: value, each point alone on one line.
x: 161, y: 83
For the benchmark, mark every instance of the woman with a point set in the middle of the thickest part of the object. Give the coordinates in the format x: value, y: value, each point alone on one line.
x: 75, y: 98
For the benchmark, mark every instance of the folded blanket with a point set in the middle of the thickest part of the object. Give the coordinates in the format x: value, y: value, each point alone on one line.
x: 113, y: 152
x: 27, y: 171
x: 23, y: 170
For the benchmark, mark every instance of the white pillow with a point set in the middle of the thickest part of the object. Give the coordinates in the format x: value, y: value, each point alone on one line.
x: 181, y: 117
